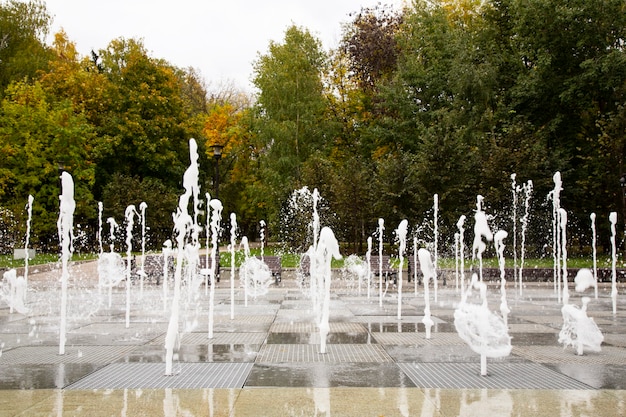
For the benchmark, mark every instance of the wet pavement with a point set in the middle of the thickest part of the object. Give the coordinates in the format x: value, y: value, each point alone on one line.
x: 266, y: 362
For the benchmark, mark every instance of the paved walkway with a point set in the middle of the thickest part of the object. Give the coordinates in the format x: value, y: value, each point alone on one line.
x: 266, y: 361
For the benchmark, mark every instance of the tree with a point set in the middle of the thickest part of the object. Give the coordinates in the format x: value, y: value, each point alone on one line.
x: 146, y: 125
x: 122, y: 191
x: 370, y: 43
x: 23, y: 30
x: 290, y: 110
x: 39, y: 137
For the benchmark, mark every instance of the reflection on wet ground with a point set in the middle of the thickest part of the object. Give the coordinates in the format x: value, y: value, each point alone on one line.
x: 266, y: 361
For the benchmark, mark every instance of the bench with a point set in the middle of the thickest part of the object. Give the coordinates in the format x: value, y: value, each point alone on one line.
x: 274, y: 263
x: 152, y: 267
x: 387, y: 269
x: 410, y: 264
x: 204, y: 266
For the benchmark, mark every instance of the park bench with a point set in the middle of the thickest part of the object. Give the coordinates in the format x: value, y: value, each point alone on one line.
x: 152, y: 267
x: 388, y: 270
x: 275, y: 266
x: 412, y: 268
x: 204, y: 266
x: 410, y: 263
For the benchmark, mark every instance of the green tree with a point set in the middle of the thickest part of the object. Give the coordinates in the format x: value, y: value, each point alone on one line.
x: 122, y: 191
x: 290, y: 111
x: 24, y: 26
x: 146, y: 126
x: 39, y: 137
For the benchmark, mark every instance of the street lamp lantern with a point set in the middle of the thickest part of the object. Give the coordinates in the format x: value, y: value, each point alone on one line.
x: 217, y: 150
x: 217, y: 154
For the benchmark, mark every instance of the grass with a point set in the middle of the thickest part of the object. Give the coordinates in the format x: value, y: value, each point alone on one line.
x: 7, y: 261
x: 292, y: 260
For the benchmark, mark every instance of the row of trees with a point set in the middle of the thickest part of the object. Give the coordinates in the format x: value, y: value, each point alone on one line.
x: 448, y: 97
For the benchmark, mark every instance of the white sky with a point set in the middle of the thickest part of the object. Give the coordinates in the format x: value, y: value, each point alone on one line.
x: 219, y: 38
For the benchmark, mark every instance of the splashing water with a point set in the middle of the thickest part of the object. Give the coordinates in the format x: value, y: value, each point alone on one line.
x: 460, y: 225
x: 579, y: 330
x: 233, y: 242
x: 415, y: 265
x: 401, y: 233
x: 428, y: 270
x: 130, y: 216
x: 592, y: 216
x: 613, y: 220
x: 368, y: 258
x: 515, y: 190
x: 563, y: 227
x: 528, y: 188
x: 208, y: 244
x: 216, y: 218
x: 16, y: 292
x: 255, y: 277
x: 483, y: 331
x: 142, y: 209
x: 167, y: 250
x: 316, y: 216
x: 65, y: 225
x: 111, y: 274
x: 436, y: 239
x: 326, y: 249
x: 354, y: 266
x: 381, y: 229
x: 262, y: 225
x: 481, y: 229
x: 499, y: 242
x: 29, y: 211
x: 556, y: 236
x: 183, y: 223
x: 99, y: 234
x: 584, y: 279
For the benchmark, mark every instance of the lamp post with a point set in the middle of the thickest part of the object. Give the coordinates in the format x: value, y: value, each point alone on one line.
x: 217, y: 154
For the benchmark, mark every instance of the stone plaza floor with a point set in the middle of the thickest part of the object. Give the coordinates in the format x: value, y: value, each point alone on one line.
x: 266, y: 362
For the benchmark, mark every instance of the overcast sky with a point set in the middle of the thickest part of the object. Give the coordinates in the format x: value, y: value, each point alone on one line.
x: 219, y: 38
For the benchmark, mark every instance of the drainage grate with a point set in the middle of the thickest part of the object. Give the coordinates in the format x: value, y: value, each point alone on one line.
x: 556, y: 354
x: 244, y: 318
x: 546, y: 318
x: 73, y: 354
x: 150, y: 376
x: 417, y: 339
x: 310, y: 353
x: 335, y: 327
x: 501, y: 376
x: 394, y: 319
x: 235, y: 338
x: 530, y: 328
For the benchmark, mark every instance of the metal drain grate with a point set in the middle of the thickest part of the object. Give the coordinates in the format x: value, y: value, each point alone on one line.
x: 245, y: 318
x: 530, y: 328
x: 235, y: 338
x: 609, y: 355
x: 394, y: 319
x: 417, y: 339
x: 501, y: 376
x: 73, y: 354
x: 335, y: 327
x: 279, y: 353
x: 150, y: 376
